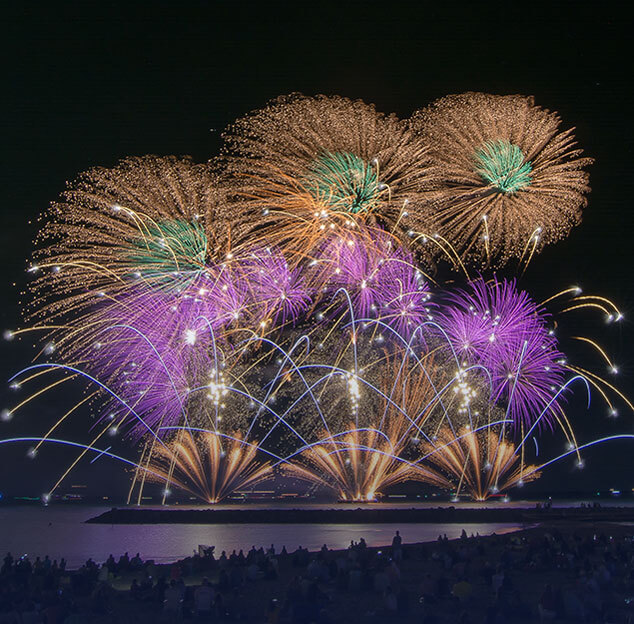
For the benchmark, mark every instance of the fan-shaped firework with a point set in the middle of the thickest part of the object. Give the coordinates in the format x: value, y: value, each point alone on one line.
x: 509, y: 180
x: 306, y: 169
x: 481, y: 463
x: 359, y: 465
x: 207, y: 466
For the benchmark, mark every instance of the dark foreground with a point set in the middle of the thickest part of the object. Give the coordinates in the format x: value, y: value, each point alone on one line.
x: 571, y: 572
x: 364, y: 515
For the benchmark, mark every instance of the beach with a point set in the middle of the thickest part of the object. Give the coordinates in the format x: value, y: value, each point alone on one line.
x: 474, y: 579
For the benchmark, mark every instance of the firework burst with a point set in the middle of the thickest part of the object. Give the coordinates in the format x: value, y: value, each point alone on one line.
x: 499, y: 327
x: 280, y: 293
x: 153, y: 221
x: 379, y: 277
x: 277, y: 301
x: 359, y: 465
x: 306, y: 169
x: 206, y: 466
x: 480, y: 463
x: 508, y: 180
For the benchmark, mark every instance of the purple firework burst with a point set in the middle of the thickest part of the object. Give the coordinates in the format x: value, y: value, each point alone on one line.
x: 526, y: 376
x: 227, y: 292
x: 279, y: 293
x: 380, y: 279
x: 500, y: 327
x: 157, y: 345
x: 153, y: 349
x: 404, y: 294
x: 353, y: 263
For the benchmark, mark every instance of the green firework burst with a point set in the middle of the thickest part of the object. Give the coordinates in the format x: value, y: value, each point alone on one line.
x: 344, y: 182
x: 171, y: 254
x: 503, y: 165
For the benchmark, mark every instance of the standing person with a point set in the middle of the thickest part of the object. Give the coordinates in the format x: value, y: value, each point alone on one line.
x: 273, y: 612
x: 397, y: 551
x: 389, y: 600
x: 204, y: 599
x: 172, y: 602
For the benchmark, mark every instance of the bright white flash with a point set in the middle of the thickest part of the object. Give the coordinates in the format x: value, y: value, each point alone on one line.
x: 190, y: 336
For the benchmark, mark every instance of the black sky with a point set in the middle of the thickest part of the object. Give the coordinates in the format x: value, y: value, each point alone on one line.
x: 89, y: 83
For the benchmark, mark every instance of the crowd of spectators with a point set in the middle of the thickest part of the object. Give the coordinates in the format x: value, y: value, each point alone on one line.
x: 537, y: 576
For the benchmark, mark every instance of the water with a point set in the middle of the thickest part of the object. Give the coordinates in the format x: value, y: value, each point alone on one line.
x: 60, y: 531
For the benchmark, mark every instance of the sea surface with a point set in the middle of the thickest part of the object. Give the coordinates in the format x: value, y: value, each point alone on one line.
x: 60, y: 531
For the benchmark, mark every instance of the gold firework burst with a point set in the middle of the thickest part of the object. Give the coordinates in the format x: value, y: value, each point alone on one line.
x: 305, y: 168
x: 206, y: 465
x: 508, y: 180
x: 153, y: 221
x: 481, y: 462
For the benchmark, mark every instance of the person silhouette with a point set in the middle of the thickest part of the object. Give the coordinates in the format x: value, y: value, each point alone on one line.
x: 397, y: 551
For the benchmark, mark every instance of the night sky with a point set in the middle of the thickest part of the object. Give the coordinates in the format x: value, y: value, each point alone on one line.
x: 89, y: 83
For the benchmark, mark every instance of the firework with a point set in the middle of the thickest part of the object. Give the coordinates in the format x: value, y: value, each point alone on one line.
x: 303, y: 170
x: 171, y: 256
x: 501, y: 328
x: 149, y: 220
x: 151, y: 349
x: 379, y: 277
x: 509, y: 181
x: 481, y: 463
x: 359, y: 465
x: 357, y: 413
x: 404, y: 294
x: 361, y: 427
x: 277, y: 301
x: 279, y: 292
x: 206, y: 466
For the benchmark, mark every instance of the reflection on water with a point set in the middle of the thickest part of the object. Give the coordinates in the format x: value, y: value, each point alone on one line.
x: 61, y: 532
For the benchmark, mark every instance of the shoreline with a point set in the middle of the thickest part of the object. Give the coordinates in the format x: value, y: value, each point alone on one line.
x: 468, y: 579
x: 442, y: 515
